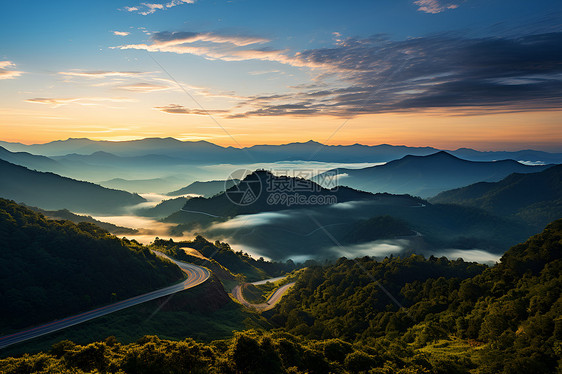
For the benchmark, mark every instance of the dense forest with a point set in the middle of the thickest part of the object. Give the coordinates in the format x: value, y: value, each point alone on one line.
x: 248, y: 352
x: 239, y: 262
x: 397, y: 315
x: 512, y: 310
x: 51, y: 269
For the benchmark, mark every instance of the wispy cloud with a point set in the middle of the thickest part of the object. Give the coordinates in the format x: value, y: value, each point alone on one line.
x: 220, y: 47
x: 435, y: 6
x: 223, y: 47
x: 208, y: 45
x: 177, y: 38
x: 56, y: 102
x: 261, y: 72
x: 376, y: 74
x: 179, y: 109
x: 149, y: 8
x: 143, y: 87
x: 7, y: 72
x: 101, y: 73
x: 121, y: 33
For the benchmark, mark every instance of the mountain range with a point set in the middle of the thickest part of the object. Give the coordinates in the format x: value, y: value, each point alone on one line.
x: 205, y: 189
x: 426, y: 176
x: 348, y: 222
x: 206, y: 152
x: 262, y: 188
x: 51, y: 191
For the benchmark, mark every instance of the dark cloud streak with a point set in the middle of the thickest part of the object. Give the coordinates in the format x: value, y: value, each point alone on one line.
x: 442, y: 71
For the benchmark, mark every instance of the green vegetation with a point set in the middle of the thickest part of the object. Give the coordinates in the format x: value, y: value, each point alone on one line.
x: 205, y: 313
x: 53, y: 269
x: 398, y: 315
x: 533, y: 198
x: 236, y: 262
x: 247, y: 352
x: 350, y: 300
x: 509, y: 314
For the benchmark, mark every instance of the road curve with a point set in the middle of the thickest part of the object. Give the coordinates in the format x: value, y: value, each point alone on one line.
x: 269, y: 304
x: 195, y: 276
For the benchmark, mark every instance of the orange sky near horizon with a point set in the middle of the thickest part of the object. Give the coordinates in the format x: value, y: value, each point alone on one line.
x: 441, y: 129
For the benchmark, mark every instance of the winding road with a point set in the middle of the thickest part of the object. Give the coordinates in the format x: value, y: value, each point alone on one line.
x: 195, y: 276
x: 270, y: 303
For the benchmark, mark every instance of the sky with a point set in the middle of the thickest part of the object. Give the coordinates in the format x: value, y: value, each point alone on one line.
x: 484, y: 74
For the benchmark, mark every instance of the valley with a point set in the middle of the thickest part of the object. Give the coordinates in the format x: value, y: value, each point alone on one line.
x: 299, y: 249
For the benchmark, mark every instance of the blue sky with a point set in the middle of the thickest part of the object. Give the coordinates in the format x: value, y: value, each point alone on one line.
x: 72, y: 68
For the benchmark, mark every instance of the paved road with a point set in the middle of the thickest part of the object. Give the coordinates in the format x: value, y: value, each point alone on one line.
x: 195, y: 276
x: 270, y: 303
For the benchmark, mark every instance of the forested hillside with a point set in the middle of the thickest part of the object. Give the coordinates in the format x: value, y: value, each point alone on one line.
x: 236, y: 262
x: 52, y: 269
x: 398, y: 315
x: 535, y: 198
x: 511, y: 310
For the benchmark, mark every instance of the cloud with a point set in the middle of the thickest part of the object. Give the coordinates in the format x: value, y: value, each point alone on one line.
x: 252, y: 220
x: 471, y: 255
x: 377, y: 75
x: 222, y: 47
x: 6, y: 72
x: 101, y: 73
x: 149, y: 8
x: 441, y: 71
x: 121, y: 33
x: 143, y: 87
x: 377, y: 248
x: 56, y: 102
x: 177, y: 38
x: 261, y: 72
x: 216, y: 47
x: 208, y: 45
x: 179, y: 109
x: 435, y: 6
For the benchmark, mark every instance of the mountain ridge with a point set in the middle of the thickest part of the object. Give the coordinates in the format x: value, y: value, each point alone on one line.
x: 53, y: 192
x: 428, y: 175
x: 310, y: 150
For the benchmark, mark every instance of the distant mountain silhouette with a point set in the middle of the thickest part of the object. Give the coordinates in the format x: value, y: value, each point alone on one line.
x: 426, y: 176
x: 205, y: 189
x: 535, y: 198
x: 141, y: 185
x: 105, y: 158
x: 65, y: 214
x: 51, y: 191
x: 164, y: 209
x: 29, y: 160
x: 207, y: 153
